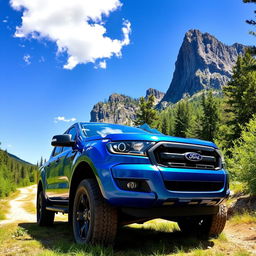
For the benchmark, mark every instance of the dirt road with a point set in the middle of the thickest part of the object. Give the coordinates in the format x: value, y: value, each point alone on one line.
x: 17, y: 213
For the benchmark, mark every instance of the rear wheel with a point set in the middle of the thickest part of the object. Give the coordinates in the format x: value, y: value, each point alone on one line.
x: 205, y: 226
x: 94, y: 220
x: 44, y: 217
x: 218, y: 221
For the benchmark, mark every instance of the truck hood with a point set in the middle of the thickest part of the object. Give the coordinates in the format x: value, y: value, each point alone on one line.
x: 155, y: 137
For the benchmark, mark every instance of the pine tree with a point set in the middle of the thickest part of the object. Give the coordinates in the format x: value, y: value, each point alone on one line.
x: 146, y: 112
x: 165, y: 126
x: 182, y: 121
x: 210, y: 118
x: 240, y: 94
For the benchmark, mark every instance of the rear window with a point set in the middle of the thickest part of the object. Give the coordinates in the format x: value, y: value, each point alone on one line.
x: 103, y: 130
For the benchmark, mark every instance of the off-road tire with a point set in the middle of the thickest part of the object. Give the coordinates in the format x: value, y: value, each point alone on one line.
x: 218, y: 221
x: 44, y: 217
x: 94, y: 220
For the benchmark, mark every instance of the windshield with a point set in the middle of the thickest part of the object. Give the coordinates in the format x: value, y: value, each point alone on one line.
x: 103, y: 130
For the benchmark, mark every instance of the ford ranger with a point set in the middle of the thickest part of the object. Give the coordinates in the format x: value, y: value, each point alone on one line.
x: 107, y: 175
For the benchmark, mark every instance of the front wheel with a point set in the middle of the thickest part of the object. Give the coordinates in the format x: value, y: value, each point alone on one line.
x: 44, y: 217
x: 94, y: 220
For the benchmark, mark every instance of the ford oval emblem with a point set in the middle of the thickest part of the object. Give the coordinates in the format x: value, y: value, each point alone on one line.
x: 193, y: 156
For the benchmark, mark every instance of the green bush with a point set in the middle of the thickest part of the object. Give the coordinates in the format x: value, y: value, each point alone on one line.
x: 242, y: 165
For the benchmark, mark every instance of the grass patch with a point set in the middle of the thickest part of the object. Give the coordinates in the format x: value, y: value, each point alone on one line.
x: 154, y: 238
x: 158, y: 225
x: 238, y: 188
x: 29, y: 207
x: 222, y: 238
x: 247, y: 218
x: 29, y: 204
x: 4, y: 205
x: 242, y: 253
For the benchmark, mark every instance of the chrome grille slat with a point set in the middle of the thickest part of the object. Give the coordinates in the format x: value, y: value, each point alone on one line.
x: 172, y: 155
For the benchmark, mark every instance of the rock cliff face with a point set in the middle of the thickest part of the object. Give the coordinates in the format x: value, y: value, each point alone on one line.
x: 120, y: 109
x: 203, y: 62
x: 157, y: 94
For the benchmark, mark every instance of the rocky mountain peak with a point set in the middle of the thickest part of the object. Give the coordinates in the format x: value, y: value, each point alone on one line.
x: 157, y: 94
x: 120, y: 108
x: 115, y: 97
x: 203, y: 62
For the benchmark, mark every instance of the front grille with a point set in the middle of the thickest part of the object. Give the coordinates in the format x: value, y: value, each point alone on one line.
x: 173, y: 155
x: 194, y: 185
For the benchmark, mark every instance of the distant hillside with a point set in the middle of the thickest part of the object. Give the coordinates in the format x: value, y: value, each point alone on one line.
x: 18, y: 159
x: 203, y: 62
x: 14, y: 172
x: 120, y: 109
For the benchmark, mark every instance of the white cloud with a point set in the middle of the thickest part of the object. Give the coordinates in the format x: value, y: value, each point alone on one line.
x: 102, y: 64
x: 77, y: 27
x: 27, y: 59
x: 63, y: 119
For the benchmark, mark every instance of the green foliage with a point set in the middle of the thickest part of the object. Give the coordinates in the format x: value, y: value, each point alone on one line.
x: 210, y: 118
x: 183, y: 119
x: 192, y: 117
x: 242, y: 165
x: 165, y: 128
x: 240, y: 95
x: 146, y: 112
x: 14, y: 173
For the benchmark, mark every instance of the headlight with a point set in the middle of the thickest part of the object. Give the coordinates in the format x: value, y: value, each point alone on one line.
x: 130, y: 147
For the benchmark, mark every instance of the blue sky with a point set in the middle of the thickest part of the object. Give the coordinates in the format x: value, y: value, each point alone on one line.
x: 36, y: 88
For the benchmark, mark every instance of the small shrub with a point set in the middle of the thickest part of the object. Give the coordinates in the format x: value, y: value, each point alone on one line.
x: 243, y: 163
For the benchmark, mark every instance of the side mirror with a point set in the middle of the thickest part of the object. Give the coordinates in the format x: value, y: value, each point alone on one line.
x: 63, y: 140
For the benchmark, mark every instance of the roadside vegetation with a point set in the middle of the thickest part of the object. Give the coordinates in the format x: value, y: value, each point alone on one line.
x: 14, y: 173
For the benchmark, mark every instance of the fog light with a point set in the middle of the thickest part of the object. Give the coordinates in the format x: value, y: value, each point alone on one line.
x: 132, y: 185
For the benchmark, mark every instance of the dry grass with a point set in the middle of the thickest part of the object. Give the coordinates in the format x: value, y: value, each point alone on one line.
x: 246, y: 218
x: 29, y: 204
x: 155, y: 238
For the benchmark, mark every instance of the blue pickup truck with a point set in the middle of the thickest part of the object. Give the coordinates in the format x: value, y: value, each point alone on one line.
x: 107, y: 175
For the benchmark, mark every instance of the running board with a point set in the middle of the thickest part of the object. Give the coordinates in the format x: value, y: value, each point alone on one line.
x: 57, y: 209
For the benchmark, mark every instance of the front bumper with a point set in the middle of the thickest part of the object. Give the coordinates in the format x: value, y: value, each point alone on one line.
x: 159, y: 195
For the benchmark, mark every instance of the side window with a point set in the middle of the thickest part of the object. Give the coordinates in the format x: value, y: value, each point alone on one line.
x: 72, y: 131
x: 57, y: 151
